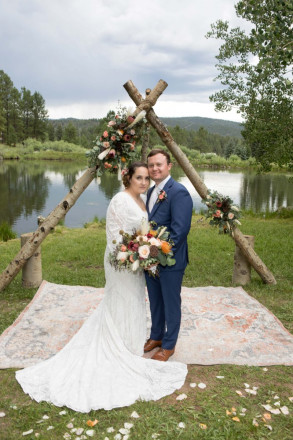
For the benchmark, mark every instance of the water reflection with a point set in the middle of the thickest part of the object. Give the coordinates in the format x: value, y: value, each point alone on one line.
x: 29, y: 189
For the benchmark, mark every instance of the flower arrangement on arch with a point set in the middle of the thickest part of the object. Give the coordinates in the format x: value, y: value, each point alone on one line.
x: 116, y: 145
x: 222, y: 211
x: 145, y: 249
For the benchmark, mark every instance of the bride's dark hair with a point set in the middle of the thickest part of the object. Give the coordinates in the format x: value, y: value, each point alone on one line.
x: 127, y: 176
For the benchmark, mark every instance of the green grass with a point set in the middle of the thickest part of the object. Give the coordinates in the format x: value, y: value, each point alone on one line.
x: 75, y: 256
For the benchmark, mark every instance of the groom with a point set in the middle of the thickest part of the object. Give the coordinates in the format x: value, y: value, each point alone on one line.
x: 168, y: 204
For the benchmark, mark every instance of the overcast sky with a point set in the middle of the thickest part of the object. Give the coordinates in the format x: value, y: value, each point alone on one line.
x: 79, y: 53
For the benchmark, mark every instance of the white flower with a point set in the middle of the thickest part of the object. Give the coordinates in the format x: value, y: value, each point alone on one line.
x: 144, y: 251
x: 121, y: 256
x: 134, y: 415
x: 135, y: 265
x: 154, y: 241
x: 104, y: 153
x: 181, y: 425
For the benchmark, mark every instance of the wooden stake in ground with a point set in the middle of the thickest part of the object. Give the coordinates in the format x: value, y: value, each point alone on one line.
x: 198, y: 184
x: 63, y: 207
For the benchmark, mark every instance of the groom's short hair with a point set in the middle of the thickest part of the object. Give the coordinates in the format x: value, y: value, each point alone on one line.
x: 160, y: 151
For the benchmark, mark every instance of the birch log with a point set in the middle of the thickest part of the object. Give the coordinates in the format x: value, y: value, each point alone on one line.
x: 198, y: 184
x: 32, y: 269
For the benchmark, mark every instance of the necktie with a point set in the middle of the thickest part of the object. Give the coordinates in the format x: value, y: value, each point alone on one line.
x: 153, y: 198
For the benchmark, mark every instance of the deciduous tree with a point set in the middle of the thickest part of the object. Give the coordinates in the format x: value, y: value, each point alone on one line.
x: 255, y: 68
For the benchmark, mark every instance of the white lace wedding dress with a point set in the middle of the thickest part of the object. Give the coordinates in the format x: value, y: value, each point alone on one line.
x: 102, y: 366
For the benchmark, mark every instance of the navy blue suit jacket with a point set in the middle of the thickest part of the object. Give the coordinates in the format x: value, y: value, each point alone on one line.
x: 174, y: 212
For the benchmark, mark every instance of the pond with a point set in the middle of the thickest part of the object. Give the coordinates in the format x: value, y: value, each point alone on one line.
x: 30, y: 189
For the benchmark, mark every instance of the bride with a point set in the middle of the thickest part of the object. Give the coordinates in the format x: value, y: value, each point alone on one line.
x: 102, y: 365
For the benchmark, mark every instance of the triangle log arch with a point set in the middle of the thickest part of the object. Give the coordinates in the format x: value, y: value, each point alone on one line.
x: 83, y: 182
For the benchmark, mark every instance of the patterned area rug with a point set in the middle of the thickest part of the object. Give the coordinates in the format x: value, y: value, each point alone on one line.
x: 220, y: 325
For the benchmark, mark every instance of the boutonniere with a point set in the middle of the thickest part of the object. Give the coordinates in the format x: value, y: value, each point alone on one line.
x: 162, y: 196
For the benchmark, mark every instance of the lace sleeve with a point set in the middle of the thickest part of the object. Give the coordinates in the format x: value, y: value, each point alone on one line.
x: 116, y: 220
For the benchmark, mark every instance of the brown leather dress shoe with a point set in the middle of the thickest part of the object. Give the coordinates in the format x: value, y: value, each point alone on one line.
x: 163, y: 354
x: 151, y: 344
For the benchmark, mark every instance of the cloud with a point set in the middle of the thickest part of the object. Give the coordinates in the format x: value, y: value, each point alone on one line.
x: 79, y: 53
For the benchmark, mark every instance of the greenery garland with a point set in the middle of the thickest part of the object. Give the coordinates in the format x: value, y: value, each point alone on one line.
x: 116, y: 146
x: 223, y: 213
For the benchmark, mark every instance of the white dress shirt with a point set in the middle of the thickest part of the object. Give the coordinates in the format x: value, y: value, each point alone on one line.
x: 156, y: 191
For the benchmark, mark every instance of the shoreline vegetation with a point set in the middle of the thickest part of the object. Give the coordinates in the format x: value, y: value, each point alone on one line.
x: 75, y: 257
x: 33, y: 149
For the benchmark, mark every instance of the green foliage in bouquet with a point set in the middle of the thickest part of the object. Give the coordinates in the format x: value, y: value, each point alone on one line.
x: 116, y: 146
x: 146, y: 248
x: 223, y: 213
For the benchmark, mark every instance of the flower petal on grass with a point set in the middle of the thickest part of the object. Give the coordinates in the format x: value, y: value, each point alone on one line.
x: 272, y: 410
x: 92, y: 423
x: 79, y: 431
x: 202, y: 385
x: 192, y: 385
x: 2, y: 414
x: 67, y: 436
x: 220, y: 377
x: 236, y: 419
x: 69, y: 426
x: 45, y: 417
x: 111, y: 429
x: 50, y: 427
x: 285, y: 410
x: 202, y: 426
x: 124, y: 431
x: 255, y: 422
x: 90, y: 432
x: 181, y: 425
x: 239, y: 393
x: 128, y: 425
x: 291, y: 399
x: 62, y: 413
x: 267, y: 416
x: 134, y: 415
x: 28, y: 432
x: 118, y: 437
x: 269, y: 427
x: 155, y: 435
x: 181, y: 397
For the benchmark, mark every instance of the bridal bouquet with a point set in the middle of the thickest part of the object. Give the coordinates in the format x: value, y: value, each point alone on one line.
x: 145, y: 249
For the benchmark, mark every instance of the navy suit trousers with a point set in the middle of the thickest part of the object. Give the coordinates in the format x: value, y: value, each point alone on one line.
x: 165, y: 304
